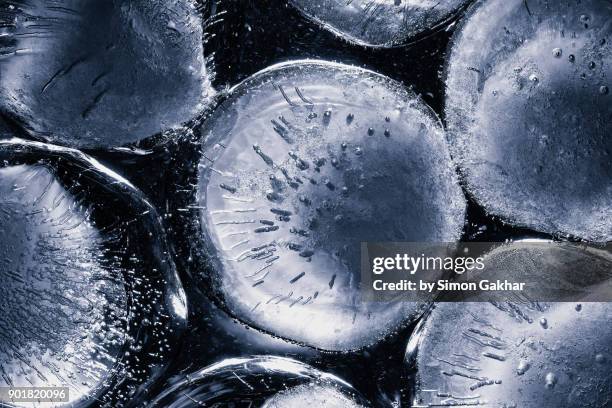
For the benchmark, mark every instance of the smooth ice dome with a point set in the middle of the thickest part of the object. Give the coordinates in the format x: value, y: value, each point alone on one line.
x: 528, y: 113
x: 300, y: 164
x: 519, y: 353
x: 311, y: 395
x: 258, y: 381
x: 381, y: 23
x: 63, y: 310
x: 101, y: 73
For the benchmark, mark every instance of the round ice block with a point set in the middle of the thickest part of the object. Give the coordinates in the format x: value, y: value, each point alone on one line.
x: 300, y: 164
x: 90, y: 300
x: 101, y: 73
x: 528, y: 112
x: 521, y: 352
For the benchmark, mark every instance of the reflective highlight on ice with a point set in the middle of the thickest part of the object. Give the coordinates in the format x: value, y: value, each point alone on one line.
x: 259, y: 381
x: 101, y: 73
x: 300, y: 164
x: 382, y: 23
x: 528, y: 112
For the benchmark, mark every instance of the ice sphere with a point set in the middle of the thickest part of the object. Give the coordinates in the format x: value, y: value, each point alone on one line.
x: 528, y: 113
x: 301, y: 163
x: 518, y: 353
x: 258, y: 381
x: 380, y: 23
x: 100, y: 73
x: 89, y: 298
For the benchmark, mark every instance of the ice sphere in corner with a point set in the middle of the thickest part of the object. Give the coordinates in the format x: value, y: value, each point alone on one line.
x: 311, y: 395
x: 259, y: 381
x: 379, y: 23
x: 519, y: 353
x: 89, y: 298
x: 301, y: 163
x: 101, y: 73
x: 528, y: 111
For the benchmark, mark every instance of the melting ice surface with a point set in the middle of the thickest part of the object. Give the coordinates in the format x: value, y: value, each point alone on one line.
x: 259, y: 381
x: 63, y: 312
x: 528, y: 112
x: 379, y: 22
x: 518, y: 354
x: 100, y: 73
x: 300, y: 164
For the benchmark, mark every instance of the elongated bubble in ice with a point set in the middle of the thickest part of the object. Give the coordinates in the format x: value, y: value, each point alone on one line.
x: 528, y: 112
x: 518, y: 354
x: 89, y: 299
x: 381, y: 23
x: 100, y: 73
x: 300, y: 164
x: 260, y: 381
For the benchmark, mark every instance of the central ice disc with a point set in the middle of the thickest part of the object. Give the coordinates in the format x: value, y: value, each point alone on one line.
x: 302, y: 163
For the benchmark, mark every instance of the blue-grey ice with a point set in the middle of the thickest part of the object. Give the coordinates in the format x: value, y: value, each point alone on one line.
x: 379, y: 23
x: 528, y: 111
x: 301, y: 163
x: 101, y: 73
x: 258, y: 381
x: 63, y: 312
x: 90, y: 299
x: 311, y: 395
x: 519, y: 353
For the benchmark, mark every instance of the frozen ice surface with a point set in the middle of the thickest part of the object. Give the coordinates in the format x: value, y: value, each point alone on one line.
x: 101, y: 73
x: 258, y: 381
x: 311, y: 395
x: 528, y: 111
x: 486, y: 354
x: 381, y: 23
x: 63, y: 312
x: 518, y: 354
x: 301, y: 163
x: 89, y: 298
